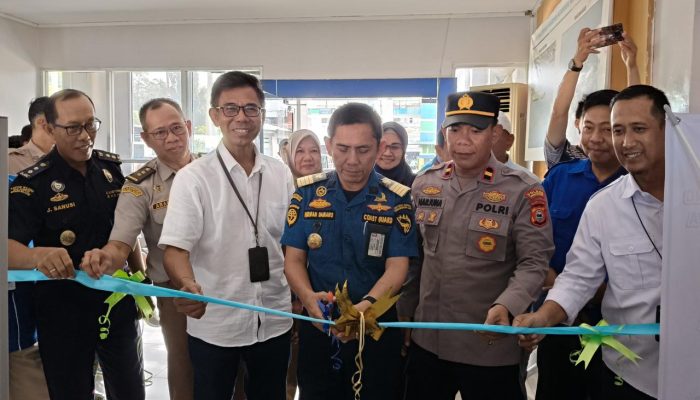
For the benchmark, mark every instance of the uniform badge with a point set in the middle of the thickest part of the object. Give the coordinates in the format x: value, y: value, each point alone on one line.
x: 494, y: 196
x: 380, y: 198
x: 297, y: 197
x: 25, y: 190
x: 538, y: 215
x: 160, y: 204
x: 535, y: 194
x: 108, y: 175
x: 157, y: 188
x: 319, y: 203
x: 59, y: 197
x: 431, y: 190
x: 57, y: 186
x: 488, y: 223
x: 486, y: 243
x: 314, y: 241
x: 292, y: 215
x: 67, y: 237
x: 132, y: 190
x: 321, y: 191
x: 420, y: 216
x: 447, y: 172
x: 404, y: 221
x: 432, y: 217
x: 488, y: 174
x: 375, y: 247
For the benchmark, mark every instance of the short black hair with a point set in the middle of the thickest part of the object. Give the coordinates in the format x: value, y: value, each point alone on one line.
x: 657, y: 97
x: 155, y: 104
x: 14, y: 142
x: 66, y: 94
x: 356, y: 113
x: 233, y: 80
x: 26, y: 133
x: 597, y: 98
x: 37, y: 108
x: 579, y: 108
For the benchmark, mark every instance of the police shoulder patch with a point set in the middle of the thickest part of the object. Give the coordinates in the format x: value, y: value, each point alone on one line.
x: 395, y: 187
x: 107, y: 156
x: 309, y: 179
x: 141, y: 174
x: 35, y: 169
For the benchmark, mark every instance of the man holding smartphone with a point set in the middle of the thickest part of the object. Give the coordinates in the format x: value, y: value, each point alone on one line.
x: 221, y: 237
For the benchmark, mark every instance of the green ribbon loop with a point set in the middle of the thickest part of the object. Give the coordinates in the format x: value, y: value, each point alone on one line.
x: 143, y: 305
x: 591, y: 342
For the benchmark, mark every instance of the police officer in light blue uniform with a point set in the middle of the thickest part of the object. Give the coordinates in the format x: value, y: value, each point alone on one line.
x: 350, y: 225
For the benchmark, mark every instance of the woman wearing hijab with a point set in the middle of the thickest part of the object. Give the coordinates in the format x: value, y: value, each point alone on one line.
x: 304, y: 153
x: 392, y: 162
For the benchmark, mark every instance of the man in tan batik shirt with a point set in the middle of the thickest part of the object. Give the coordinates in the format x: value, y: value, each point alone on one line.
x: 142, y: 205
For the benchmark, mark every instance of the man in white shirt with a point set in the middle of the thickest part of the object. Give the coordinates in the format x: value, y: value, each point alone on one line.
x: 629, y: 252
x: 221, y: 236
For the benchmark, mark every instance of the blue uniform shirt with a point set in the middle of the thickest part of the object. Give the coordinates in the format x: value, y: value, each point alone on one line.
x: 21, y: 325
x: 569, y: 185
x: 357, y: 236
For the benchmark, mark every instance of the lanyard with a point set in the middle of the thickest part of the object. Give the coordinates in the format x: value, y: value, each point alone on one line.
x: 235, y: 189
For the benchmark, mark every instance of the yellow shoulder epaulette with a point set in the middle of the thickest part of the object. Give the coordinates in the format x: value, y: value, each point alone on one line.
x: 141, y: 174
x: 35, y: 169
x: 309, y: 179
x: 395, y: 187
x: 107, y: 156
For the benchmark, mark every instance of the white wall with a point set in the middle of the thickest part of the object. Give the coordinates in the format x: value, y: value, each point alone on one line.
x: 354, y: 49
x: 18, y: 72
x: 672, y: 67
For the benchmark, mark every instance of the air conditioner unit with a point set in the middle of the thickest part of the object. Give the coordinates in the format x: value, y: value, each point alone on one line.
x: 513, y: 98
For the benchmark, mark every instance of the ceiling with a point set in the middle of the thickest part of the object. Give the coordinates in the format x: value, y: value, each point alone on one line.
x: 51, y: 13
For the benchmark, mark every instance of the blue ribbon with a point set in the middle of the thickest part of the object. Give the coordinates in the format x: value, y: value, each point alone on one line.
x: 110, y: 284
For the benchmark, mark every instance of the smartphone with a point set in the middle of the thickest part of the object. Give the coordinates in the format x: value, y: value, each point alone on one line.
x: 611, y: 35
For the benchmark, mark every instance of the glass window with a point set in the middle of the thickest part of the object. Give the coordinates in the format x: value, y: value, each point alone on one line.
x: 147, y: 85
x: 417, y: 115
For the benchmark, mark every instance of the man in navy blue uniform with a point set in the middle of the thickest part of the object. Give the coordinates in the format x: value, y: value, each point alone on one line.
x: 350, y: 225
x: 569, y: 185
x: 65, y: 205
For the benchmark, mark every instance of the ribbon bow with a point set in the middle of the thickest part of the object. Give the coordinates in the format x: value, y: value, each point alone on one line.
x: 141, y: 301
x: 591, y: 342
x: 349, y: 321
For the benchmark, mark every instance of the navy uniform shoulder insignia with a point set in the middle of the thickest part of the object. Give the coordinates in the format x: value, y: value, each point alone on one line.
x: 395, y: 187
x: 35, y: 169
x: 107, y: 156
x: 309, y: 179
x: 141, y: 174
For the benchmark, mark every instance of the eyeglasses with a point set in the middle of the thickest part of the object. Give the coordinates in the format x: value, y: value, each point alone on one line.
x: 162, y: 133
x: 231, y: 110
x: 75, y: 130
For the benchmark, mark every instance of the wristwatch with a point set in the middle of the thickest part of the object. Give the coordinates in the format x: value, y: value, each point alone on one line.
x: 573, y: 67
x: 370, y: 299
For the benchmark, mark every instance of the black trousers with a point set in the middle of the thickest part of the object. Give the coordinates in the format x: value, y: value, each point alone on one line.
x: 215, y: 369
x: 435, y: 379
x: 66, y: 316
x: 381, y: 376
x: 558, y: 378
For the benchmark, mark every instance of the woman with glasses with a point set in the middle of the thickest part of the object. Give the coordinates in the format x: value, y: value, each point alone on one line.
x: 391, y: 163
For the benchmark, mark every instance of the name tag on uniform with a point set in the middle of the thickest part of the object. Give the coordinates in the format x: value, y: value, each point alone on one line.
x: 375, y: 248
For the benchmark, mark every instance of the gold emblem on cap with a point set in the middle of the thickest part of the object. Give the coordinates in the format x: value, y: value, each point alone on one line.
x: 321, y: 191
x: 314, y: 241
x: 57, y: 186
x: 465, y: 102
x: 67, y: 237
x: 108, y: 175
